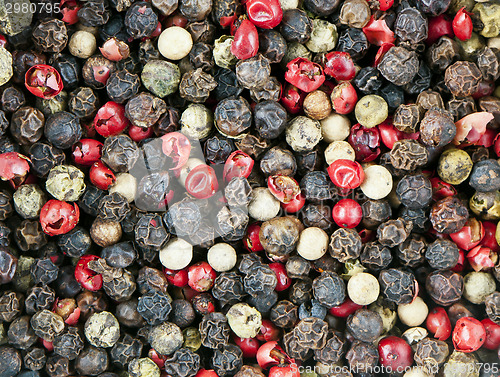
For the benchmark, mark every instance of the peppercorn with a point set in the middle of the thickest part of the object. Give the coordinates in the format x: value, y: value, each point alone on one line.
x: 323, y: 37
x: 34, y: 359
x: 10, y: 361
x: 361, y: 356
x: 444, y: 287
x: 62, y: 129
x: 431, y: 353
x: 143, y: 367
x: 448, y: 215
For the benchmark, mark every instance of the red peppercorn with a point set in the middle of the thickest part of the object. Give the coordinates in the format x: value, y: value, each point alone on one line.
x: 58, y: 217
x: 489, y: 239
x: 344, y: 98
x: 251, y: 242
x: 367, y: 235
x: 268, y: 332
x: 292, y: 98
x: 178, y: 278
x: 345, y: 309
x: 438, y: 27
x: 304, y: 74
x: 461, y: 263
x: 157, y: 358
x: 137, y: 133
x: 203, y: 303
x: 67, y: 309
x: 201, y: 276
x: 14, y: 167
x: 390, y: 134
x: 441, y: 189
x: 101, y: 176
x: 468, y: 335
x: 246, y: 41
x: 285, y: 370
x: 270, y: 354
x: 43, y: 81
x: 177, y: 147
x: 340, y: 66
x: 470, y: 235
x: 482, y: 258
x: 365, y: 141
x: 378, y: 32
x: 238, y: 164
x: 87, y: 151
x: 395, y: 353
x: 47, y: 345
x: 384, y: 5
x: 346, y: 173
x: 347, y: 213
x: 206, y: 373
x: 265, y: 14
x: 69, y: 10
x: 462, y: 25
x: 249, y: 346
x: 201, y: 182
x: 176, y: 19
x: 284, y: 281
x: 381, y: 52
x: 86, y: 277
x: 492, y: 329
x: 110, y: 119
x: 438, y: 323
x: 488, y: 138
x: 115, y: 50
x: 294, y: 205
x: 283, y: 188
x: 3, y: 41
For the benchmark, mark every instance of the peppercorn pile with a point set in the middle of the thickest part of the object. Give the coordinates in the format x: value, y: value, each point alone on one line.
x: 249, y: 188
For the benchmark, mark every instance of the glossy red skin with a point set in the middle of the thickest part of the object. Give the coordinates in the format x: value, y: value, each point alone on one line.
x: 438, y: 323
x: 365, y: 141
x: 58, y: 217
x: 345, y: 309
x: 266, y: 14
x: 347, y: 213
x: 43, y: 81
x: 177, y: 147
x: 110, y: 119
x: 344, y: 98
x: 292, y: 98
x: 295, y: 205
x: 246, y: 41
x: 201, y: 276
x: 462, y: 262
x: 390, y: 134
x: 87, y: 278
x: 492, y: 341
x: 87, y: 151
x: 206, y: 373
x: 3, y: 41
x: 469, y: 236
x: 488, y: 138
x: 14, y: 167
x: 101, y: 176
x: 346, y: 173
x: 482, y: 258
x: 284, y: 281
x: 47, y: 345
x: 157, y: 358
x: 69, y: 10
x: 138, y: 133
x: 251, y: 242
x: 201, y: 182
x: 468, y: 335
x: 238, y: 164
x: 378, y: 32
x: 267, y: 354
x: 439, y: 26
x: 384, y: 5
x: 249, y: 346
x: 177, y: 278
x: 283, y: 188
x: 304, y: 74
x: 441, y: 189
x: 290, y: 370
x: 340, y: 66
x: 462, y: 25
x: 268, y: 332
x: 395, y: 353
x: 489, y: 239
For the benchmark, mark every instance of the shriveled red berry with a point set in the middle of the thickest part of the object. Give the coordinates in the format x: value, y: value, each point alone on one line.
x: 340, y: 66
x: 87, y: 151
x: 249, y: 346
x: 378, y: 32
x: 283, y: 187
x: 365, y: 141
x: 441, y: 189
x: 468, y: 335
x: 14, y: 167
x: 238, y: 164
x: 470, y: 235
x: 489, y: 239
x: 390, y: 134
x: 43, y: 81
x: 294, y: 205
x: 101, y: 176
x: 110, y: 119
x: 177, y: 147
x: 292, y: 99
x: 86, y: 277
x: 304, y: 74
x: 438, y: 323
x: 284, y: 281
x: 344, y: 98
x: 268, y: 331
x: 178, y: 278
x: 462, y: 25
x: 482, y: 258
x: 201, y: 276
x: 438, y: 27
x: 115, y: 50
x: 69, y: 10
x: 201, y: 182
x: 58, y: 217
x: 137, y: 133
x: 246, y: 41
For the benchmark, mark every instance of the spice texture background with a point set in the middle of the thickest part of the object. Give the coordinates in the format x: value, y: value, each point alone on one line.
x: 249, y: 188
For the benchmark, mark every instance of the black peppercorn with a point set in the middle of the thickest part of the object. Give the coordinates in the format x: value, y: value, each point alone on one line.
x: 94, y: 13
x: 365, y: 325
x: 154, y: 307
x: 62, y: 129
x: 368, y: 80
x: 278, y: 160
x: 12, y: 99
x: 83, y: 102
x: 69, y: 344
x: 444, y: 287
x: 20, y: 334
x: 10, y: 361
x: 253, y: 73
x: 34, y: 359
x: 414, y: 191
x: 141, y: 20
x: 329, y: 289
x: 50, y: 35
x: 8, y: 265
x: 44, y: 271
x: 296, y: 26
x: 233, y: 116
x: 11, y: 305
x: 354, y: 42
x: 449, y: 215
x: 92, y: 361
x: 442, y: 254
x: 431, y: 353
x: 345, y: 244
x: 214, y: 330
x: 397, y: 285
x: 125, y: 350
x: 38, y: 298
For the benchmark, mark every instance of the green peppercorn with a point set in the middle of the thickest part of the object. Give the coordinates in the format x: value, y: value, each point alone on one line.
x: 489, y: 14
x: 65, y: 182
x: 6, y: 70
x: 161, y: 77
x: 371, y: 110
x: 323, y: 37
x: 29, y: 200
x: 454, y: 166
x: 222, y: 52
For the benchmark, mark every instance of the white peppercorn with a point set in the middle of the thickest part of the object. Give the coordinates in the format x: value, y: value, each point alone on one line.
x: 339, y: 150
x: 176, y: 254
x: 478, y: 285
x: 102, y: 329
x: 222, y: 257
x: 335, y: 127
x: 303, y: 134
x: 65, y: 182
x: 378, y: 182
x: 289, y: 4
x: 371, y: 110
x: 196, y: 121
x: 166, y: 338
x: 414, y: 313
x: 82, y: 44
x: 263, y: 206
x: 175, y: 43
x: 363, y: 288
x: 244, y: 320
x: 126, y: 185
x: 414, y: 335
x: 313, y: 243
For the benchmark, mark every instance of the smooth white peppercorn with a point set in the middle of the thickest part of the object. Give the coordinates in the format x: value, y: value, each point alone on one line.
x: 82, y: 44
x: 263, y: 206
x: 363, y: 288
x: 126, y: 185
x: 478, y: 285
x: 335, y: 127
x: 313, y: 243
x: 378, y: 182
x: 176, y: 254
x: 244, y: 320
x: 196, y: 121
x: 289, y: 4
x: 175, y: 43
x: 339, y: 150
x: 414, y: 313
x: 371, y: 110
x: 303, y: 133
x: 222, y: 257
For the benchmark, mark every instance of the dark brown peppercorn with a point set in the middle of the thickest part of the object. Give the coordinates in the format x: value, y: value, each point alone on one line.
x: 12, y: 99
x: 122, y: 85
x: 334, y: 349
x: 144, y: 109
x: 411, y: 252
x: 411, y: 26
x: 279, y: 236
x: 345, y: 244
x: 39, y: 298
x: 442, y: 254
x: 444, y: 287
x: 375, y: 256
x: 26, y: 125
x: 284, y: 314
x: 34, y: 359
x: 408, y: 155
x: 431, y: 353
x: 488, y: 62
x: 91, y: 302
x: 278, y: 161
x: 442, y: 53
x: 301, y: 291
x: 69, y: 344
x: 394, y: 232
x: 311, y: 333
x: 8, y: 265
x: 253, y: 145
x: 462, y: 78
x: 399, y: 65
x: 407, y: 117
x: 29, y: 235
x: 414, y: 191
x: 253, y: 73
x: 329, y: 289
x: 92, y: 361
x: 492, y: 303
x: 83, y: 102
x: 50, y: 35
x: 47, y: 325
x: 296, y: 26
x: 429, y: 99
x: 196, y: 85
x: 362, y: 356
x: 437, y: 129
x: 10, y: 361
x: 94, y: 13
x: 20, y: 334
x: 227, y: 360
x: 94, y: 69
x: 140, y: 20
x: 11, y: 305
x: 214, y: 330
x: 485, y: 176
x: 233, y: 116
x: 449, y: 215
x: 365, y: 325
x: 183, y: 363
x: 460, y: 107
x: 397, y: 285
x: 125, y: 350
x: 6, y: 205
